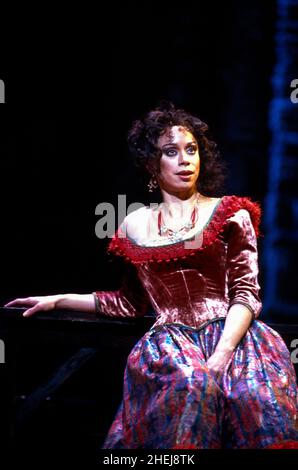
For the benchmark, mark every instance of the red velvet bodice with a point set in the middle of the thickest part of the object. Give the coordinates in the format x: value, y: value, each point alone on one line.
x: 192, y: 283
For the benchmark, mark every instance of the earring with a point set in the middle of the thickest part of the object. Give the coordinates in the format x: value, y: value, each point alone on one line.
x: 152, y: 184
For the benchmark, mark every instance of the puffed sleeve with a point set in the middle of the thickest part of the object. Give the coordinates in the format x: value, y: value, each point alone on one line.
x: 131, y: 300
x: 242, y: 262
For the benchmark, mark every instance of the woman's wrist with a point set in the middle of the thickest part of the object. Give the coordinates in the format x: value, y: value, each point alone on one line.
x: 79, y: 302
x: 225, y: 346
x: 63, y: 300
x: 69, y: 301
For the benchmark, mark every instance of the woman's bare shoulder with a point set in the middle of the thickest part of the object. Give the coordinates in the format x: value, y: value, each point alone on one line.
x: 135, y: 223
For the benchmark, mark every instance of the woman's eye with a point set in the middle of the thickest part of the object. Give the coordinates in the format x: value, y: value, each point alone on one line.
x: 171, y: 152
x: 191, y: 150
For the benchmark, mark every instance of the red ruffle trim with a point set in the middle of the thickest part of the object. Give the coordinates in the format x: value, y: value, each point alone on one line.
x: 284, y: 445
x: 227, y: 207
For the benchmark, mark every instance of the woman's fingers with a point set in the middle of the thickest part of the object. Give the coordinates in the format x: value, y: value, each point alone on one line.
x: 42, y: 306
x: 32, y: 310
x: 37, y: 304
x: 24, y: 301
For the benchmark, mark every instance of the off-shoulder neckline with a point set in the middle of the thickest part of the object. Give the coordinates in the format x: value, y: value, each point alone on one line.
x: 212, y: 233
x: 134, y: 242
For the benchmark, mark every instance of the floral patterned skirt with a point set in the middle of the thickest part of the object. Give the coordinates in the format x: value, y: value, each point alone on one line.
x: 172, y: 401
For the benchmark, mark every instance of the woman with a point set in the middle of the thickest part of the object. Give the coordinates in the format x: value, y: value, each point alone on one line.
x: 208, y: 374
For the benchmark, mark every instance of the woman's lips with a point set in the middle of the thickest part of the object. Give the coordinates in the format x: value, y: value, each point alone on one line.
x: 185, y: 176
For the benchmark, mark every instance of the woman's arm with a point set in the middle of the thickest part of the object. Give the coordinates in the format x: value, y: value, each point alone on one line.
x: 130, y: 300
x: 79, y: 302
x: 242, y: 263
x: 237, y: 323
x: 243, y: 288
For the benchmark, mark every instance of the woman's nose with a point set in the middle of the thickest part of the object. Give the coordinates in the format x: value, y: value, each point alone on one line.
x: 183, y: 158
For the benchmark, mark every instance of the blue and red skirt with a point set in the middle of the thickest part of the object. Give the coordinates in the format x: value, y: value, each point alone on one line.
x: 172, y: 401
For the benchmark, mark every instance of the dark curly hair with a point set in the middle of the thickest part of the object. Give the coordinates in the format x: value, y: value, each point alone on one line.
x: 144, y: 134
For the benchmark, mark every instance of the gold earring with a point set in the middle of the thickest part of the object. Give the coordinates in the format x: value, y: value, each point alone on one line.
x: 152, y: 184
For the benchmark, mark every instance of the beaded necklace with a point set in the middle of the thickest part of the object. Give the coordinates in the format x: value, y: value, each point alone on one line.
x: 177, y: 235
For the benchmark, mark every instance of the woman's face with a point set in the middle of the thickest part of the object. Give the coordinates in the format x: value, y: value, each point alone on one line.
x: 180, y: 161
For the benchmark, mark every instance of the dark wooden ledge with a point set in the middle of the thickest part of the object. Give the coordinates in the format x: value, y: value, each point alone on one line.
x: 87, y: 326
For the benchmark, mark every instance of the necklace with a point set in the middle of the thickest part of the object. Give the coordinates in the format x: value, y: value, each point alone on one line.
x: 177, y: 235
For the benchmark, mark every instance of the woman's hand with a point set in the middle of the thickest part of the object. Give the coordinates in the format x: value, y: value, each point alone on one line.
x: 76, y: 302
x: 37, y: 304
x: 218, y: 362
